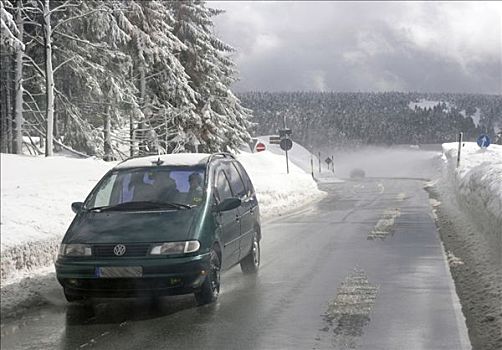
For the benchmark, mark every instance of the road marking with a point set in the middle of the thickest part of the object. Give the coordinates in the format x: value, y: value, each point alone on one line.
x: 348, y: 313
x: 385, y: 226
x: 401, y: 196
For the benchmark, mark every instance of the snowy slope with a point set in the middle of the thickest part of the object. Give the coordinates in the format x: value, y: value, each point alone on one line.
x: 301, y: 157
x: 37, y: 193
x: 478, y: 185
x: 277, y: 191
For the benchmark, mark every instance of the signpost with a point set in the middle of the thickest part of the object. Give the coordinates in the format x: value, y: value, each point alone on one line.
x: 260, y: 147
x: 483, y: 141
x: 285, y: 142
x: 274, y: 140
x: 328, y: 161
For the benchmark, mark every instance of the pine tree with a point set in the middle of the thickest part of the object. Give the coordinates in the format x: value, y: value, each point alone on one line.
x: 165, y: 98
x: 206, y: 60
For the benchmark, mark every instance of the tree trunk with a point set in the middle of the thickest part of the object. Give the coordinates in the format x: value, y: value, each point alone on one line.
x: 49, y: 80
x: 18, y: 136
x: 107, y: 135
x: 6, y: 136
x: 141, y: 125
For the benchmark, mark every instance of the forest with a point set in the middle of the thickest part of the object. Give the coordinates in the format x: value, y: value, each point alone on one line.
x: 335, y: 119
x: 121, y: 78
x: 116, y: 79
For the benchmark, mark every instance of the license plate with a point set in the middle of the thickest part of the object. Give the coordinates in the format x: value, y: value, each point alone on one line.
x: 119, y: 271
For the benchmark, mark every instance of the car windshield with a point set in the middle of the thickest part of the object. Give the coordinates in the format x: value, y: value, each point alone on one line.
x: 176, y: 187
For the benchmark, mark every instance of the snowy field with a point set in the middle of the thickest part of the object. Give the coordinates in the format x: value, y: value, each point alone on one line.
x: 477, y: 183
x: 37, y: 193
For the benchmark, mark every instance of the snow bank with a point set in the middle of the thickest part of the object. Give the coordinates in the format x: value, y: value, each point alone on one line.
x: 37, y: 192
x: 277, y: 191
x: 478, y: 185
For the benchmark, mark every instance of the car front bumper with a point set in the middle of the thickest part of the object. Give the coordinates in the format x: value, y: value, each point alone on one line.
x: 160, y: 276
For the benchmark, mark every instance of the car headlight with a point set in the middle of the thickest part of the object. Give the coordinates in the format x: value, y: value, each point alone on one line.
x: 169, y: 248
x: 75, y: 250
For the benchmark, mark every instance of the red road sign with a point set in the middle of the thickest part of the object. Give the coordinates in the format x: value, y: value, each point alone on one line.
x: 260, y: 147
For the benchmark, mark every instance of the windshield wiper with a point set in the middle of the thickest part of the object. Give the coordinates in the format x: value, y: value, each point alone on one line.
x: 143, y: 205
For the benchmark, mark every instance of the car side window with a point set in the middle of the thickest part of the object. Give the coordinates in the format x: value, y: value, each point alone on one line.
x: 236, y: 183
x: 222, y: 187
x: 245, y: 178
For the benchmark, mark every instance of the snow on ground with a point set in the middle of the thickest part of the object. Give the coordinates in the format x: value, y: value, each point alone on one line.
x: 477, y: 183
x: 277, y: 191
x: 301, y: 157
x: 36, y: 194
x: 426, y: 104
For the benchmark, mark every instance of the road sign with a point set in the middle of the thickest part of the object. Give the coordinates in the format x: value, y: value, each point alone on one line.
x: 274, y: 140
x: 328, y: 160
x: 260, y: 147
x: 286, y: 144
x: 483, y: 141
x: 284, y: 132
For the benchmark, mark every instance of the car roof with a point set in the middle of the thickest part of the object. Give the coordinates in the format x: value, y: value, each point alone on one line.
x: 177, y: 159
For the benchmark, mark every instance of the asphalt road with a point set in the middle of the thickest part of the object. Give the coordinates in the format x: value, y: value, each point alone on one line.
x: 362, y: 269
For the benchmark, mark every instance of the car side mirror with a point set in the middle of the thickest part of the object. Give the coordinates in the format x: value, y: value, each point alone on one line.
x: 76, y: 206
x: 227, y: 204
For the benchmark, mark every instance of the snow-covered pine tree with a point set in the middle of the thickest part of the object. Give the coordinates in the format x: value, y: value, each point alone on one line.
x: 206, y: 60
x: 90, y: 73
x: 167, y: 116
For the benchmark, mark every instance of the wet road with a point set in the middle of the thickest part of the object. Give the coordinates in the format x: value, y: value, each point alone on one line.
x: 362, y: 269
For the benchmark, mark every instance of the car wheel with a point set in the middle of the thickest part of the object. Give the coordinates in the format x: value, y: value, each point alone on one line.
x: 251, y: 263
x: 210, y: 289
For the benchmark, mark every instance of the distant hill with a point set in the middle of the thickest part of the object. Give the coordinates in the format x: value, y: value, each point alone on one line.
x: 331, y: 119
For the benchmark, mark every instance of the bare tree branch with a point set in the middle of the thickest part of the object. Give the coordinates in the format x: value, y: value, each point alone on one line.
x: 37, y: 67
x: 63, y: 63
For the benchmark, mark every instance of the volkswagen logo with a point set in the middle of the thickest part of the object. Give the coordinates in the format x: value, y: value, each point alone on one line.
x: 119, y: 250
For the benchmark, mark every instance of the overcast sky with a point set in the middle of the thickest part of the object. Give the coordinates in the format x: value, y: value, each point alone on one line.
x: 365, y: 46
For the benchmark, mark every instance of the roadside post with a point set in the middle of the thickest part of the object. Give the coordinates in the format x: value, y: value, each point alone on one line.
x: 333, y: 163
x: 460, y: 137
x: 319, y: 158
x: 312, y: 165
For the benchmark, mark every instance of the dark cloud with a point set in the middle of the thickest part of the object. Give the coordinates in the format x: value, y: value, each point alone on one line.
x: 344, y: 46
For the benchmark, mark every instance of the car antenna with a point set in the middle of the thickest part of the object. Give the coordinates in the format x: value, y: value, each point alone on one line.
x: 158, y: 162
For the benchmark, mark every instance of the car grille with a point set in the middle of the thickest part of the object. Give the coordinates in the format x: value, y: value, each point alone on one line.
x: 133, y: 249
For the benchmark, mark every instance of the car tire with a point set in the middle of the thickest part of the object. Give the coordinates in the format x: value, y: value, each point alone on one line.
x: 210, y: 288
x: 251, y: 263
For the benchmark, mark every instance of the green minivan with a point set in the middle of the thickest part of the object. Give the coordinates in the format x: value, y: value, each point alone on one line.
x: 162, y: 225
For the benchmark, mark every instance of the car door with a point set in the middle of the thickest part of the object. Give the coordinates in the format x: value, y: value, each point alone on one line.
x: 228, y: 221
x: 240, y: 184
